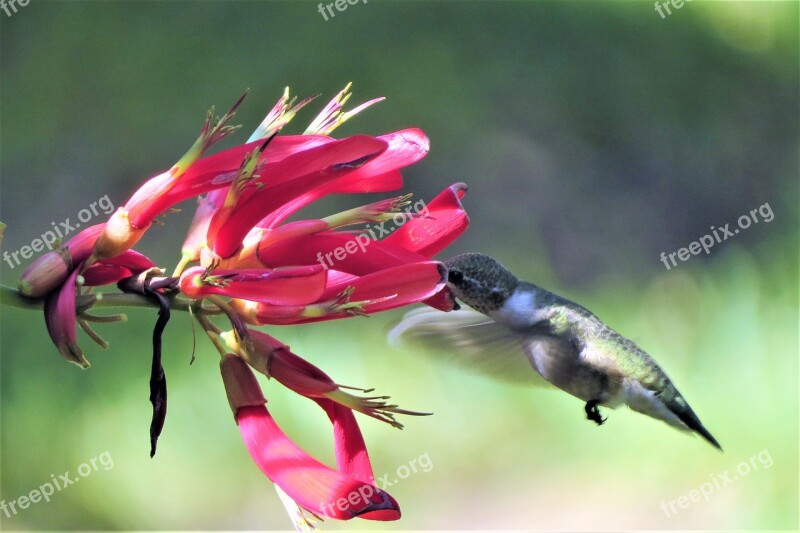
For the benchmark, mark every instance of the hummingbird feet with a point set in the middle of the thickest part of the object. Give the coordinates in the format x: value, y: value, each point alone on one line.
x: 593, y: 413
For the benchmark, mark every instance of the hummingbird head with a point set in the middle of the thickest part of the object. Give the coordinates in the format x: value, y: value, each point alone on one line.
x: 480, y: 282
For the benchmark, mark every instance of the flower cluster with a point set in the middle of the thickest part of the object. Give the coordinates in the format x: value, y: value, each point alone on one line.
x: 244, y: 260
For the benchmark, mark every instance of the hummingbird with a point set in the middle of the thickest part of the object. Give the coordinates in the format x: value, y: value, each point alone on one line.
x: 517, y: 327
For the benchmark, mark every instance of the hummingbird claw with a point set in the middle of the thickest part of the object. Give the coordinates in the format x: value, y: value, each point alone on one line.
x: 593, y: 413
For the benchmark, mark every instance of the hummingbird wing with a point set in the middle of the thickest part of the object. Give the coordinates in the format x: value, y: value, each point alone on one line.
x: 471, y: 340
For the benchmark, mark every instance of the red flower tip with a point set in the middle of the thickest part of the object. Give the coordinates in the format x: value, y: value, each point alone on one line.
x: 444, y: 221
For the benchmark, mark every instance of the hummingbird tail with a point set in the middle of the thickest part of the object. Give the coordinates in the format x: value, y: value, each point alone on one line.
x: 681, y: 409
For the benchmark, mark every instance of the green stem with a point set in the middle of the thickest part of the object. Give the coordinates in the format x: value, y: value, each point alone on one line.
x: 213, y: 332
x: 11, y: 297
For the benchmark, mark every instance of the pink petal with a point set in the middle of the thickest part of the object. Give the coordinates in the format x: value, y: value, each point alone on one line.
x: 446, y: 220
x: 308, y: 482
x: 368, y: 256
x: 294, y: 176
x: 406, y: 147
x: 284, y: 286
x: 388, y: 181
x: 209, y: 173
x: 339, y: 278
x: 408, y: 283
x: 304, y: 378
x: 107, y: 271
x: 59, y: 317
x: 298, y: 228
x: 383, y: 290
x: 352, y: 458
x: 100, y: 274
x: 132, y: 260
x: 51, y: 269
x: 290, y: 370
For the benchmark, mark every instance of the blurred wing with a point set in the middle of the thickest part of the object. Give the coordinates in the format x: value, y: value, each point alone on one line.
x: 468, y: 338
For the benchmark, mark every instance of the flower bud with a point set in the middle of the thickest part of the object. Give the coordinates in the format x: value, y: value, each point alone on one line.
x: 50, y: 270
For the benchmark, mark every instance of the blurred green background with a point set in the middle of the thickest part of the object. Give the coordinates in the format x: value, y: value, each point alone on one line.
x: 593, y: 135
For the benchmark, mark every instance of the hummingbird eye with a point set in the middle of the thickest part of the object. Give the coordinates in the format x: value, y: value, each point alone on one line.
x: 455, y: 277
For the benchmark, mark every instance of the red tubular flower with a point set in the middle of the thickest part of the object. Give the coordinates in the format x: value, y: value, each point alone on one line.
x: 348, y: 295
x: 359, y: 255
x: 405, y: 147
x: 288, y: 179
x: 311, y: 241
x: 283, y: 286
x: 308, y: 482
x: 191, y: 177
x: 215, y: 172
x: 195, y: 239
x: 274, y: 359
x: 444, y: 222
x: 107, y: 271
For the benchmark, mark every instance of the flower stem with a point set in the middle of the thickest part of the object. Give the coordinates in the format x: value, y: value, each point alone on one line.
x: 213, y: 332
x: 11, y: 297
x: 185, y: 260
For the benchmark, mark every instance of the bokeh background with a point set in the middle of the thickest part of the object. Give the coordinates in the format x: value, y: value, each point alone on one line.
x: 593, y: 135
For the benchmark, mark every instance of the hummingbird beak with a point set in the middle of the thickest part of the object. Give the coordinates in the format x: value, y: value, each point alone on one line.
x: 447, y: 291
x: 451, y: 299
